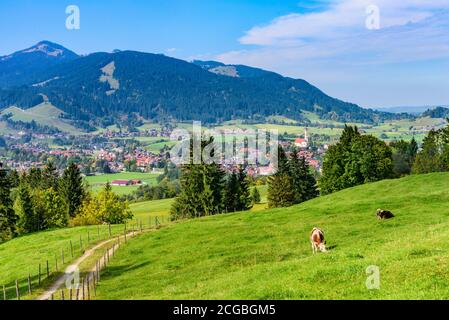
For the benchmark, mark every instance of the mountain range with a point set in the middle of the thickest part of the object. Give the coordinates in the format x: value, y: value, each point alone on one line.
x: 114, y: 85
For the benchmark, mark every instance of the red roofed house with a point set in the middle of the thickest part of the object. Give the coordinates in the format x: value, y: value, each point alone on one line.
x: 121, y: 183
x: 303, y: 143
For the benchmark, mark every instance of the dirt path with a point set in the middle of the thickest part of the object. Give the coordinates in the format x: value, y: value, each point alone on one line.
x: 70, y: 270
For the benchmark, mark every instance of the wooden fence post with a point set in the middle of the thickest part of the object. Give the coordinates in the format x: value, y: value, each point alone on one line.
x: 29, y: 283
x: 17, y: 290
x: 98, y: 271
x: 88, y: 287
x: 62, y: 294
x: 48, y: 270
x: 4, y: 292
x: 70, y: 293
x: 95, y: 285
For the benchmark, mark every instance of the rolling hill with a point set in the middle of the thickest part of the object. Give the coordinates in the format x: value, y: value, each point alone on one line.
x: 267, y: 254
x: 108, y: 85
x: 44, y: 114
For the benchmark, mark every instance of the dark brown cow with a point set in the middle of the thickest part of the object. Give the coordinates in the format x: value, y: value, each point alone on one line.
x: 384, y: 214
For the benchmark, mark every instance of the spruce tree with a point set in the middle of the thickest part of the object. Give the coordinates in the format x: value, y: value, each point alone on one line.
x: 280, y: 185
x: 237, y: 194
x: 201, y: 189
x: 304, y: 182
x: 244, y: 199
x: 280, y: 191
x: 8, y: 217
x: 14, y: 178
x: 24, y: 209
x: 308, y: 181
x: 50, y: 176
x: 231, y: 193
x: 72, y: 188
x: 255, y: 196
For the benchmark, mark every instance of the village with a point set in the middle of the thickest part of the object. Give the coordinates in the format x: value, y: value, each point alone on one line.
x: 122, y: 151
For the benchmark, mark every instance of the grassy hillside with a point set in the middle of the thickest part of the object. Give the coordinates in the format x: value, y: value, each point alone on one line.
x: 267, y: 254
x: 44, y: 114
x: 22, y: 256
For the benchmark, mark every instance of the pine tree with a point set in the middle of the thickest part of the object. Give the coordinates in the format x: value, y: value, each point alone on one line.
x: 308, y: 181
x: 304, y: 182
x: 201, y: 190
x: 14, y: 178
x: 8, y: 217
x: 280, y: 185
x: 25, y: 211
x: 231, y: 193
x: 244, y: 200
x: 50, y: 176
x: 255, y: 196
x: 72, y: 189
x: 280, y: 191
x: 237, y: 195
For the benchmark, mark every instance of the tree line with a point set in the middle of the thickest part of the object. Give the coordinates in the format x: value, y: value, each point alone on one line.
x: 206, y: 189
x: 42, y: 199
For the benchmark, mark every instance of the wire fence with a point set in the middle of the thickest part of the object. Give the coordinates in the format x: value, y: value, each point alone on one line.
x: 48, y: 270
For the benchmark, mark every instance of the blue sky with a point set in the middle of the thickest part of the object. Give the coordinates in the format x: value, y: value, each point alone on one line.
x: 403, y: 62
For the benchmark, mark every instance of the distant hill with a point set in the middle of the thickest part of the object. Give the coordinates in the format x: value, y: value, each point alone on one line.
x: 22, y: 66
x: 413, y: 110
x: 439, y: 112
x: 110, y: 85
x: 44, y: 114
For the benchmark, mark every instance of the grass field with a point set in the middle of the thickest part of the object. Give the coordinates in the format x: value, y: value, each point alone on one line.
x: 44, y: 114
x: 22, y: 256
x: 158, y: 208
x: 267, y: 254
x: 96, y: 183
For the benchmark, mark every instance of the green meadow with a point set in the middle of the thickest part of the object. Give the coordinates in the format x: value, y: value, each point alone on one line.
x: 98, y: 182
x: 267, y: 255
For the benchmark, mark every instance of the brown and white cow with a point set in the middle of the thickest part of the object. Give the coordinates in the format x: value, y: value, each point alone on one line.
x: 317, y: 240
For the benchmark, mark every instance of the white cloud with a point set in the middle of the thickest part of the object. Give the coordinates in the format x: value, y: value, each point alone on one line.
x: 335, y: 45
x: 341, y: 17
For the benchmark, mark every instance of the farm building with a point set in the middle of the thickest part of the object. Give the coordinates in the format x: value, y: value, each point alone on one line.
x: 124, y: 183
